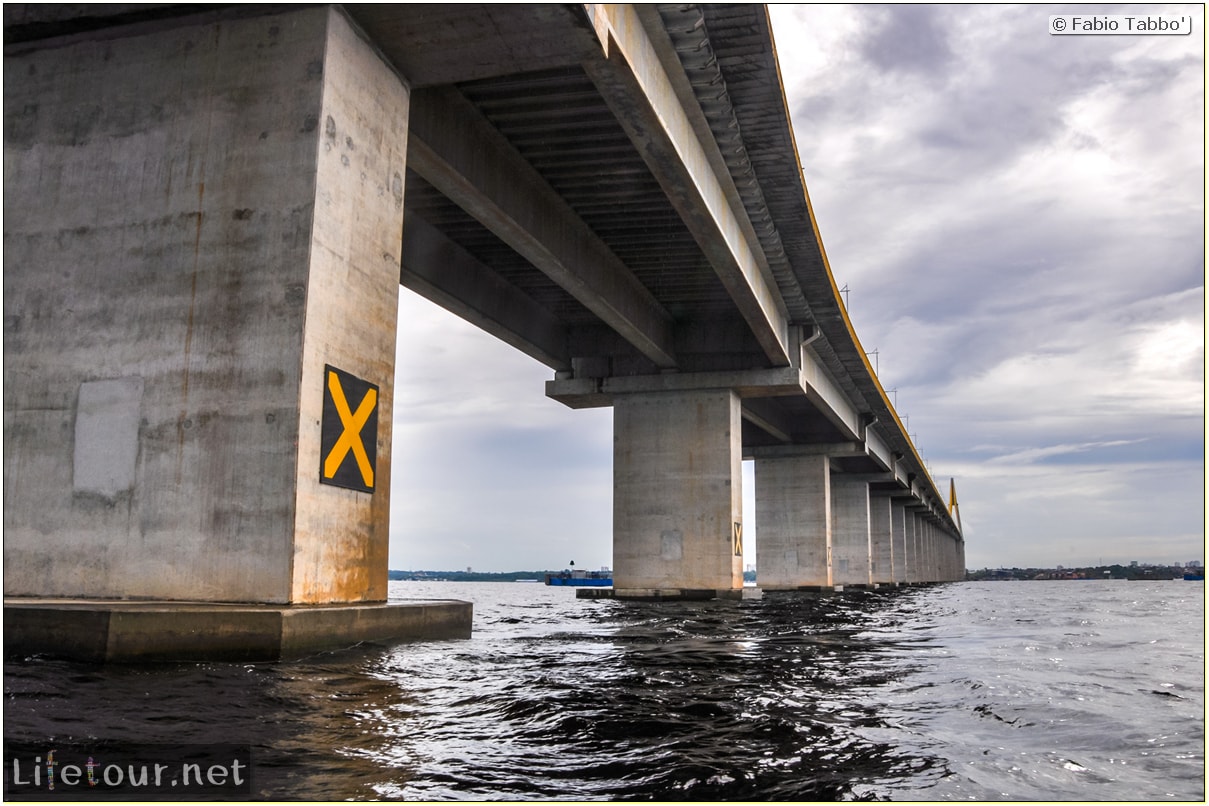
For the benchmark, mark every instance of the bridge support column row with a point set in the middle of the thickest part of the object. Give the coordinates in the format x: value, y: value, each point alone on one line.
x: 677, y: 509
x: 818, y: 528
x: 928, y: 549
x: 933, y: 555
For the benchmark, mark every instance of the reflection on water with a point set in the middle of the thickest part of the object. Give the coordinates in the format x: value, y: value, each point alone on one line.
x: 962, y: 691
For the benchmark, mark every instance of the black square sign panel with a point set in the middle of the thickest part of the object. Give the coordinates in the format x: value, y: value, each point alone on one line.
x: 348, y: 440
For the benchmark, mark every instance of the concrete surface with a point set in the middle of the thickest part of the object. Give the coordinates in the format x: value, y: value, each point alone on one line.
x: 198, y: 217
x: 677, y: 492
x: 793, y: 513
x: 109, y: 631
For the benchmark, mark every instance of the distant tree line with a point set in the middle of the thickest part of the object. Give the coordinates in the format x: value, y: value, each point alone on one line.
x: 469, y: 576
x: 491, y: 576
x: 1089, y: 572
x: 1115, y: 571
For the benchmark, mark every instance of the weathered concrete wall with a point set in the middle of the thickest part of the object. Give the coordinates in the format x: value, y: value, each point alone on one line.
x: 342, y: 536
x: 850, y: 540
x: 677, y: 491
x: 793, y: 517
x: 167, y: 240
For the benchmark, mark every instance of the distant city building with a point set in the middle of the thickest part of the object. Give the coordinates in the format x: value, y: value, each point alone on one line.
x: 1193, y: 564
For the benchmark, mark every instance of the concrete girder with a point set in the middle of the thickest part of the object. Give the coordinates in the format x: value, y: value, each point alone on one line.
x: 828, y: 449
x: 809, y: 380
x: 462, y: 155
x: 594, y: 392
x: 769, y: 419
x: 440, y: 270
x: 631, y: 76
x: 878, y: 451
x: 447, y: 43
x: 836, y: 407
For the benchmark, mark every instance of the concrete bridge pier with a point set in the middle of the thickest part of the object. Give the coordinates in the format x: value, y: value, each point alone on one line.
x: 927, y: 550
x: 677, y: 495
x: 898, y: 536
x: 202, y: 254
x: 852, y: 563
x: 918, y: 567
x: 794, y: 520
x: 935, y: 565
x: 881, y: 537
x: 820, y: 529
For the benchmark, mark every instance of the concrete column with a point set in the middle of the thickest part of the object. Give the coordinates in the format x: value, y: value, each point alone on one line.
x: 898, y: 538
x: 938, y: 549
x: 881, y: 538
x: 915, y: 563
x: 793, y: 516
x: 197, y: 220
x: 677, y: 494
x: 930, y: 553
x: 850, y: 538
x: 938, y: 541
x: 930, y: 549
x: 948, y: 546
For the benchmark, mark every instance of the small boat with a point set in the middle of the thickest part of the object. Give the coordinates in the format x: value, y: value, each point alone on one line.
x: 580, y: 579
x: 1194, y: 576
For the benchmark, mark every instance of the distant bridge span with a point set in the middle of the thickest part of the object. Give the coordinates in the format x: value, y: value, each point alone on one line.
x: 203, y: 212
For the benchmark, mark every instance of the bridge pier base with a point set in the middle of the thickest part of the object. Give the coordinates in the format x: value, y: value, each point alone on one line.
x: 99, y: 631
x: 677, y: 495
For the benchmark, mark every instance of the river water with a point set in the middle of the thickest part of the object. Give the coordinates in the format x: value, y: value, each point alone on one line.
x: 1071, y: 690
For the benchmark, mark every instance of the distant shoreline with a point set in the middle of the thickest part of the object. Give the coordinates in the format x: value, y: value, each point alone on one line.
x: 1135, y: 572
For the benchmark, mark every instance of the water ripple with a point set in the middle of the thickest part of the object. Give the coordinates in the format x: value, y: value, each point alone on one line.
x: 992, y: 691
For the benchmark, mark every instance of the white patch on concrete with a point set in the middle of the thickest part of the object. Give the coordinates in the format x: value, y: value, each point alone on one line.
x: 107, y: 436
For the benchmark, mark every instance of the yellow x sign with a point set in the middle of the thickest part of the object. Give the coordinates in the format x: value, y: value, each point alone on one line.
x: 350, y: 438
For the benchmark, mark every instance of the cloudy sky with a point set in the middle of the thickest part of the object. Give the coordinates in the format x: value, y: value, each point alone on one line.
x: 1019, y: 219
